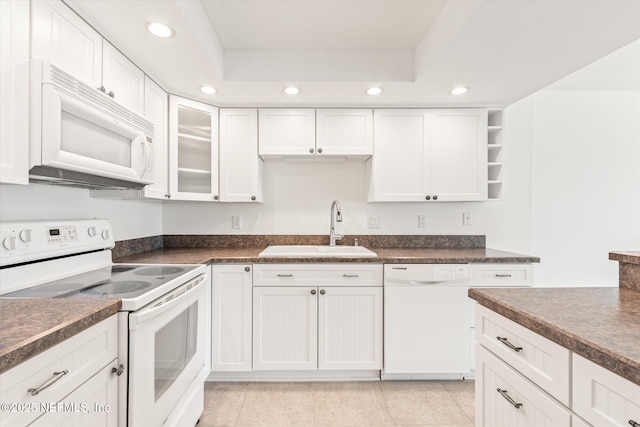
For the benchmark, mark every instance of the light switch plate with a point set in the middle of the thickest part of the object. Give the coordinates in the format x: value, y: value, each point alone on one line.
x: 422, y: 221
x: 373, y: 221
x: 236, y: 221
x: 466, y: 218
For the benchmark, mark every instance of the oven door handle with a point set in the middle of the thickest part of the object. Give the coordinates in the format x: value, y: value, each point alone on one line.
x: 185, y: 292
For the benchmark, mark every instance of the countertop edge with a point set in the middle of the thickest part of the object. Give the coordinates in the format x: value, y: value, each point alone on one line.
x: 45, y: 340
x: 616, y: 363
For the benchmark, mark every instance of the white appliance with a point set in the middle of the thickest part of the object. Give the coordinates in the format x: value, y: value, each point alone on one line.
x: 80, y: 136
x: 162, y: 345
x: 426, y: 321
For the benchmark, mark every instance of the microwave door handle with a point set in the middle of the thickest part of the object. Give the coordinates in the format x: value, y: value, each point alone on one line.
x: 146, y: 146
x: 138, y: 318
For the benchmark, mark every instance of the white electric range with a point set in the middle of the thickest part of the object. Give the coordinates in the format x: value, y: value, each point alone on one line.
x: 161, y: 337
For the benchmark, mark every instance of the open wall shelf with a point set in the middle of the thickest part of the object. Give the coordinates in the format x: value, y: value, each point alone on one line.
x: 495, y: 153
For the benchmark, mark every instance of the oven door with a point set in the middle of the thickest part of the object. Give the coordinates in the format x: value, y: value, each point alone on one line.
x: 166, y: 352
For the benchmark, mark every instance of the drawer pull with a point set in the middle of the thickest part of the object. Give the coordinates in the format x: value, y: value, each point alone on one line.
x: 506, y: 342
x: 56, y: 376
x: 634, y: 423
x: 503, y: 275
x: 350, y: 275
x: 285, y: 275
x: 509, y: 399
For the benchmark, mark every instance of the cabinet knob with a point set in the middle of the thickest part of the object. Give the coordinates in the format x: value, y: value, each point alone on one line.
x: 101, y: 89
x: 319, y: 150
x: 313, y: 291
x: 216, y: 197
x: 322, y: 292
x: 247, y: 269
x: 435, y: 197
x: 253, y: 197
x: 428, y: 197
x: 168, y: 196
x: 311, y: 150
x: 118, y: 371
x: 111, y: 94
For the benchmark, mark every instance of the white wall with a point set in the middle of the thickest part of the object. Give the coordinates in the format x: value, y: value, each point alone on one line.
x: 586, y: 184
x: 130, y: 219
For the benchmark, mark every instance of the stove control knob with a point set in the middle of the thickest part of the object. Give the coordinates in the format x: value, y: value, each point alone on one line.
x: 105, y: 235
x: 92, y: 231
x: 9, y: 243
x: 25, y: 235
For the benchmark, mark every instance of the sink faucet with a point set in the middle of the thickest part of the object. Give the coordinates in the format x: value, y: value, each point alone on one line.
x: 337, y: 217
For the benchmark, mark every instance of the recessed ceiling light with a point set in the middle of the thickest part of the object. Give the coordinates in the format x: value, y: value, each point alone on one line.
x: 208, y: 90
x: 374, y: 91
x: 291, y: 90
x: 160, y: 30
x: 459, y: 91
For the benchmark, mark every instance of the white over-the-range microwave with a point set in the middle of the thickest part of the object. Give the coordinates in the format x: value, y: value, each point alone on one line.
x: 79, y: 136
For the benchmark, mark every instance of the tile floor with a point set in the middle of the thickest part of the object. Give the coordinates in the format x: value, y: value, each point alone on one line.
x: 301, y: 404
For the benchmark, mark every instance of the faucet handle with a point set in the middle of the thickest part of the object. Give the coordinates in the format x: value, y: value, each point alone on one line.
x: 356, y: 242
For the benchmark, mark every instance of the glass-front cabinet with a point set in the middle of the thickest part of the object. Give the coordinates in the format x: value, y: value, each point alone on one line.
x: 193, y: 150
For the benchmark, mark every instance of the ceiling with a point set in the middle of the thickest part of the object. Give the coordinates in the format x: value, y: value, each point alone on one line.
x: 417, y: 50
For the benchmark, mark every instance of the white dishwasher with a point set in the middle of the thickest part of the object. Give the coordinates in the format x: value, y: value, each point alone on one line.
x: 426, y: 321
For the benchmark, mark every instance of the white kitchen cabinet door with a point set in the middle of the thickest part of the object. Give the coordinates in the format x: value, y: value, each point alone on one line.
x: 287, y: 131
x: 344, y: 132
x: 505, y: 398
x: 123, y: 81
x: 350, y: 328
x: 602, y: 397
x: 399, y: 166
x: 240, y: 165
x: 193, y: 150
x: 156, y: 109
x: 578, y: 422
x: 285, y: 328
x: 231, y: 318
x: 14, y: 87
x: 61, y: 37
x: 458, y: 154
x: 95, y: 403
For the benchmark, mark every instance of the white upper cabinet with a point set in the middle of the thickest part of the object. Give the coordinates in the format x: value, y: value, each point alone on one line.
x: 287, y: 131
x: 429, y: 155
x: 193, y: 150
x: 122, y: 80
x: 60, y: 36
x: 14, y: 90
x: 344, y: 132
x: 315, y: 133
x: 156, y: 109
x: 399, y: 166
x: 240, y: 165
x: 458, y: 153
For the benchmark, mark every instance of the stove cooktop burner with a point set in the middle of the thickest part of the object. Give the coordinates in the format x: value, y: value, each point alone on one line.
x: 116, y: 288
x: 158, y: 271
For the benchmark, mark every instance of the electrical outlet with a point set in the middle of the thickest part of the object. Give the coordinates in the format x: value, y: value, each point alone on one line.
x: 373, y: 221
x: 422, y: 221
x: 466, y: 218
x: 236, y: 221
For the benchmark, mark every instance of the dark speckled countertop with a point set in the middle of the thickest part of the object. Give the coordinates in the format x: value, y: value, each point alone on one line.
x: 385, y: 255
x: 31, y: 326
x: 600, y: 324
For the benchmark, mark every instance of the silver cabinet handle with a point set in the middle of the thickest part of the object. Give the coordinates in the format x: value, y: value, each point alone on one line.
x: 509, y: 399
x: 634, y: 423
x: 313, y: 291
x: 56, y: 377
x: 350, y: 275
x: 506, y: 342
x: 285, y: 275
x: 503, y: 275
x: 322, y: 292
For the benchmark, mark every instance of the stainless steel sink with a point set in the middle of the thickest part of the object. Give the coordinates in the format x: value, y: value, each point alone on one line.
x: 319, y: 251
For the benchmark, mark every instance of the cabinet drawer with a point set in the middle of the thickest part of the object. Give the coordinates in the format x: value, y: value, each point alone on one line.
x: 501, y: 275
x: 602, y: 397
x: 346, y: 274
x: 496, y: 383
x: 81, y: 356
x: 542, y: 361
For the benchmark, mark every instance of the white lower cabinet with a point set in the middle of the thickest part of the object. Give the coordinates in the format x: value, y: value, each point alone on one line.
x: 231, y: 318
x: 602, y: 397
x: 506, y: 398
x: 71, y: 384
x: 335, y: 325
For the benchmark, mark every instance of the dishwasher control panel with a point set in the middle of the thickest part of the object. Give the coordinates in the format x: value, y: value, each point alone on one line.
x: 450, y: 272
x: 403, y: 273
